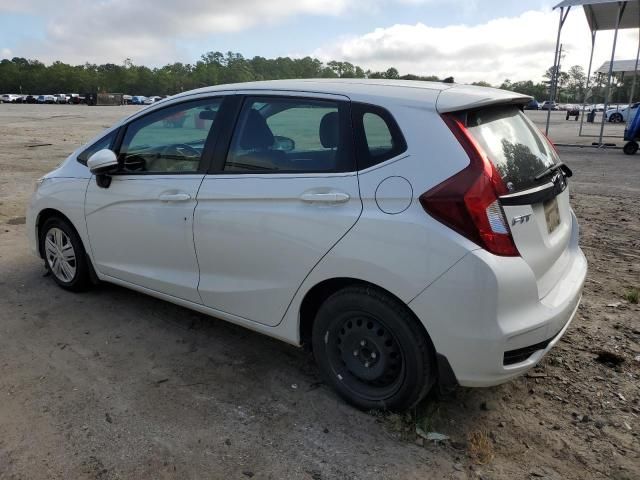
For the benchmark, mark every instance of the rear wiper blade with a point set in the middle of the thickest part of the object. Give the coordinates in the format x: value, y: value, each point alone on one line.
x: 556, y: 166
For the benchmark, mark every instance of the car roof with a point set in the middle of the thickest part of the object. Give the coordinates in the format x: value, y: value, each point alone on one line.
x: 448, y: 96
x: 331, y: 85
x: 438, y: 96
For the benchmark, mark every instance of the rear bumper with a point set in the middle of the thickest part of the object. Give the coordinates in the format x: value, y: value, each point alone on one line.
x: 486, y: 306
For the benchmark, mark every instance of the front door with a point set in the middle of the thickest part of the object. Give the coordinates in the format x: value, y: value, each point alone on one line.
x: 287, y: 193
x: 141, y: 226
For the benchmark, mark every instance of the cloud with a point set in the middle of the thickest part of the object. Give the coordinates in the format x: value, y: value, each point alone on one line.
x: 148, y: 31
x: 157, y: 32
x: 518, y: 48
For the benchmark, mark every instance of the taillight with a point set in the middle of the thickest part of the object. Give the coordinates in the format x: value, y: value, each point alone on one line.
x: 550, y: 142
x: 468, y: 202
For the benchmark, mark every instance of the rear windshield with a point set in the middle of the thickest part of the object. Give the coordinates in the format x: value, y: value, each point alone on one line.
x: 514, y: 145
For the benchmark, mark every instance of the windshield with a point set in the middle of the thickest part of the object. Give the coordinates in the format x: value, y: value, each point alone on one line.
x: 514, y: 145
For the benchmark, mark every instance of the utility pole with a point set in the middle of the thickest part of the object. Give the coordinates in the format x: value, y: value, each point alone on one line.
x: 556, y: 75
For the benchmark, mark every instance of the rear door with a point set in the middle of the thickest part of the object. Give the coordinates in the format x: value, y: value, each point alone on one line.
x: 281, y: 196
x: 537, y: 206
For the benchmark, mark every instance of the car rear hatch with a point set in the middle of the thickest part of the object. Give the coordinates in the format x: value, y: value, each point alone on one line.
x: 535, y: 198
x: 537, y: 206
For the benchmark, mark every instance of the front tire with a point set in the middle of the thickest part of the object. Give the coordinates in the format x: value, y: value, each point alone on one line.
x: 64, y: 255
x: 372, y: 351
x: 615, y: 118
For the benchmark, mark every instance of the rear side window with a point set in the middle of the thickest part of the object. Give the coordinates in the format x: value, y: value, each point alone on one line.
x: 104, y: 142
x: 288, y: 135
x: 515, y: 146
x: 378, y: 137
x: 377, y: 134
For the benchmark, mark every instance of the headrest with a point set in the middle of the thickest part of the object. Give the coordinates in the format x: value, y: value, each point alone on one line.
x: 256, y: 134
x: 329, y: 131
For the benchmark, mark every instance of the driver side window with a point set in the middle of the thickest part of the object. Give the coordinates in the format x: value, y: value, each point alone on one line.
x: 170, y: 140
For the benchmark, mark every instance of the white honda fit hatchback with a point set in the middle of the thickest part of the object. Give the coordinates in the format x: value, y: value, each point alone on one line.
x: 409, y: 233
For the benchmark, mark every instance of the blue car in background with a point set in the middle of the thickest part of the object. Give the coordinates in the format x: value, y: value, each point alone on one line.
x: 138, y: 100
x: 532, y: 105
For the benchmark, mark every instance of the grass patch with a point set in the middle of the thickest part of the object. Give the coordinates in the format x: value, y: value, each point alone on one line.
x: 632, y: 295
x: 424, y: 416
x: 480, y: 447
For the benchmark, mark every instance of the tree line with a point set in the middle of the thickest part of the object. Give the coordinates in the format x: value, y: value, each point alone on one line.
x: 21, y: 75
x: 28, y: 76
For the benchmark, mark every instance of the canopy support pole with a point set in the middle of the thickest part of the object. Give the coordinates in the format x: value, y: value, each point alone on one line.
x: 635, y: 75
x: 556, y: 61
x: 621, y: 7
x: 586, y: 88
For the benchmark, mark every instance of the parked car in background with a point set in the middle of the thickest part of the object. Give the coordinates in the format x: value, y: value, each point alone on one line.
x: 10, y: 97
x: 150, y: 100
x: 127, y: 99
x: 547, y: 105
x: 617, y: 115
x: 61, y: 98
x: 398, y: 273
x: 46, y: 99
x: 138, y: 100
x: 532, y: 105
x: 74, y: 98
x: 27, y: 99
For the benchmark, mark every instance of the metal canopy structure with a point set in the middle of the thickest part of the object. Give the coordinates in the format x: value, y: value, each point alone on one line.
x: 601, y: 15
x: 619, y: 66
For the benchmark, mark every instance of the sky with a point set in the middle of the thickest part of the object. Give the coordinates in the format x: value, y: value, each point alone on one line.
x: 471, y: 40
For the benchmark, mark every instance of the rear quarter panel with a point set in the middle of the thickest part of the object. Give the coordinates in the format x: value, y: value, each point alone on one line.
x: 403, y: 252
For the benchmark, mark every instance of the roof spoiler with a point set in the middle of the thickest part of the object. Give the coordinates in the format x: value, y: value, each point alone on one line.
x: 468, y: 97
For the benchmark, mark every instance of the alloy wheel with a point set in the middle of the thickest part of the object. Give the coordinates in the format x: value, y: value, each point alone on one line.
x: 60, y: 254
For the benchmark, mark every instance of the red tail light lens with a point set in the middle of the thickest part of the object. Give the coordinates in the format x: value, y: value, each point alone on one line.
x: 468, y: 202
x: 553, y: 145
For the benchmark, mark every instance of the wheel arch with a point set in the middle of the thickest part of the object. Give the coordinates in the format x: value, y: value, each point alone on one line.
x: 317, y: 294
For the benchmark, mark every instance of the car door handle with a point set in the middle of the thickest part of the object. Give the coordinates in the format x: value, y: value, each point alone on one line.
x: 329, y: 197
x: 174, y: 197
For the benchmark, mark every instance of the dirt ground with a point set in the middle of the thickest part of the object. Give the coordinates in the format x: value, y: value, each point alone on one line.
x: 112, y: 384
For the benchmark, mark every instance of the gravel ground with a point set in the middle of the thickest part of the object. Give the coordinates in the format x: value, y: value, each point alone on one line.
x: 112, y: 384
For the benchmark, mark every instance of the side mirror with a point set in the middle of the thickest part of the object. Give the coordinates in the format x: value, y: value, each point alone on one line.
x: 102, y: 162
x: 283, y: 144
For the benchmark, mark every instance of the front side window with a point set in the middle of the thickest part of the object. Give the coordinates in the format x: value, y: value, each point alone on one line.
x: 105, y: 142
x: 289, y: 135
x: 171, y: 140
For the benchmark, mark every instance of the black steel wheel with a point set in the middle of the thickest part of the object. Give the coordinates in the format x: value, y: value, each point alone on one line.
x: 630, y: 148
x: 371, y: 349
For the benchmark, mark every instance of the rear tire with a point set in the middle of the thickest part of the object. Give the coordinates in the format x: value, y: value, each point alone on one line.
x: 371, y: 349
x: 630, y: 148
x: 64, y: 255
